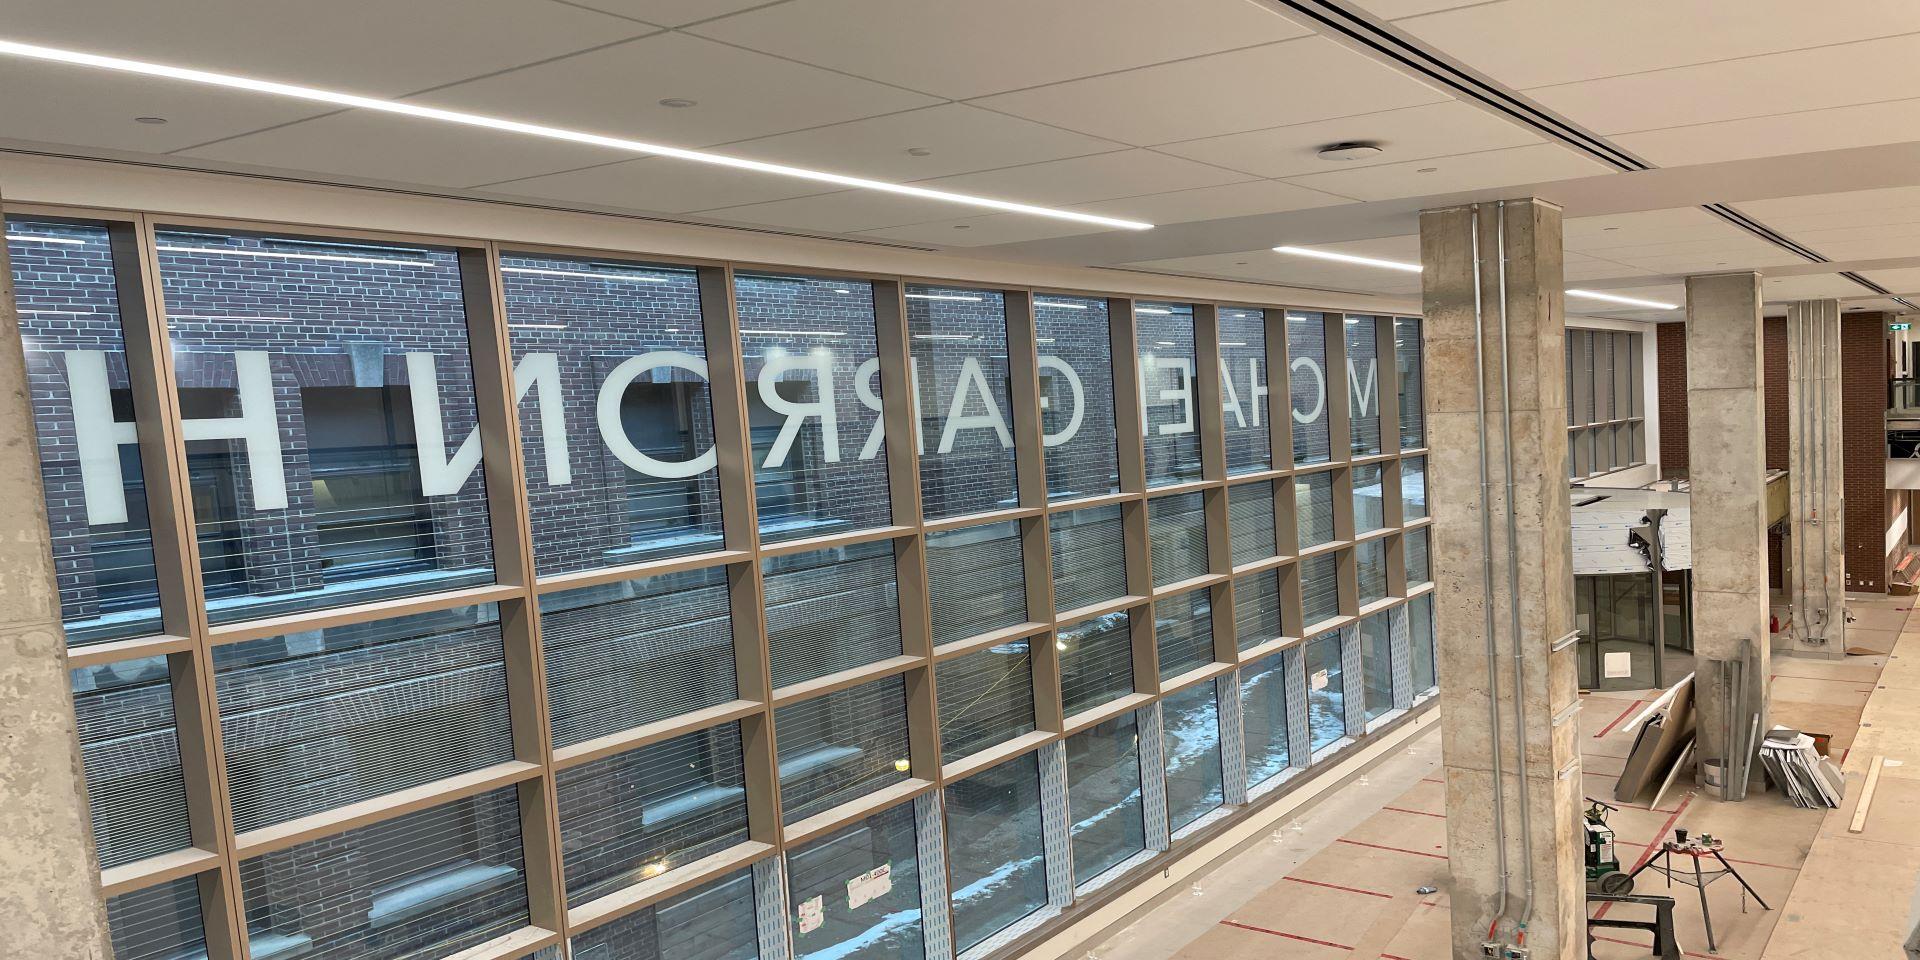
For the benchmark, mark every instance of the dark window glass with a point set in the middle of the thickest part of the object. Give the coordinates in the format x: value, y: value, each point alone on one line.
x: 1416, y: 551
x: 1076, y: 395
x: 1096, y: 662
x: 1103, y: 791
x: 1168, y: 392
x: 1408, y: 353
x: 841, y: 746
x: 1376, y: 664
x: 1326, y: 691
x: 1320, y: 588
x: 1420, y: 628
x: 1256, y: 609
x: 1184, y: 631
x: 1313, y: 498
x: 429, y: 883
x: 323, y: 718
x: 158, y: 923
x: 813, y: 405
x: 854, y: 894
x: 831, y: 610
x: 1363, y: 383
x: 1369, y: 509
x: 635, y: 815
x: 1602, y: 376
x: 77, y: 381
x: 1370, y: 559
x: 1307, y: 386
x: 1177, y: 526
x: 332, y: 432
x: 1089, y: 557
x: 986, y: 697
x: 1263, y: 705
x: 1413, y: 488
x: 616, y: 415
x: 624, y: 654
x: 1250, y: 522
x: 976, y: 581
x: 131, y: 754
x: 1243, y: 389
x: 959, y: 341
x: 1192, y: 719
x: 994, y: 853
x: 710, y: 922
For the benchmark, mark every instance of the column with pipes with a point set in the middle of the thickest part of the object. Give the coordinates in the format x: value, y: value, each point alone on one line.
x: 1495, y: 328
x: 1818, y: 626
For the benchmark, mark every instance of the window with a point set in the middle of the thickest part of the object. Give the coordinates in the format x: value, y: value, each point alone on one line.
x: 1243, y: 389
x: 637, y: 814
x: 1089, y: 557
x: 1420, y: 629
x: 1416, y: 550
x: 813, y: 398
x: 336, y: 391
x: 976, y: 580
x: 1192, y: 719
x: 131, y: 754
x: 1076, y: 395
x: 1606, y: 405
x: 1096, y: 662
x: 854, y: 894
x: 841, y: 746
x: 995, y: 855
x: 1103, y: 791
x: 1320, y: 588
x: 1408, y: 354
x: 986, y: 698
x: 161, y: 922
x: 1307, y: 386
x: 1250, y: 522
x: 1370, y: 559
x: 715, y: 921
x: 617, y: 425
x: 1326, y: 691
x: 831, y: 610
x: 1369, y: 507
x: 429, y: 883
x: 1363, y: 383
x: 1168, y: 392
x: 1376, y: 664
x: 1313, y: 495
x: 624, y: 654
x: 1256, y: 609
x: 324, y: 718
x: 1413, y: 488
x: 1184, y: 631
x: 959, y: 344
x: 78, y: 383
x: 1263, y: 704
x: 1177, y: 525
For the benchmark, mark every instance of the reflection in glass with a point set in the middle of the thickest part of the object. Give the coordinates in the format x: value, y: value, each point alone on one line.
x: 1420, y: 649
x: 1184, y: 631
x: 158, y: 923
x: 1307, y: 386
x: 1320, y: 588
x: 714, y: 921
x: 959, y: 343
x: 1376, y: 664
x: 131, y: 754
x: 1326, y: 691
x: 1416, y: 552
x: 337, y: 392
x: 1096, y: 661
x: 1192, y: 719
x: 1369, y: 509
x: 1250, y: 522
x: 854, y: 894
x: 1313, y: 496
x: 1243, y: 389
x: 976, y: 580
x: 1407, y: 351
x: 995, y: 857
x: 1263, y: 703
x: 1076, y: 395
x: 831, y: 610
x: 1089, y: 557
x: 1256, y: 609
x: 986, y: 698
x: 1413, y: 488
x: 1363, y: 383
x: 841, y: 746
x: 1103, y: 791
x: 1177, y: 527
x: 1370, y: 561
x: 1168, y: 392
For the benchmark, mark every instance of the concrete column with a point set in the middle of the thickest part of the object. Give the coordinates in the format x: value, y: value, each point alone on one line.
x: 50, y: 890
x: 1816, y: 478
x: 1491, y: 785
x: 1727, y: 470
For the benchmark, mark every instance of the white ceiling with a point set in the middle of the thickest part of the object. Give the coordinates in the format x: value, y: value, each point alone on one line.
x: 1204, y: 116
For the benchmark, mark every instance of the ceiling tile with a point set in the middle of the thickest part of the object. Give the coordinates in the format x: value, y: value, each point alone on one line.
x: 616, y: 90
x: 982, y: 231
x: 376, y: 146
x: 372, y: 47
x: 658, y: 185
x: 1820, y: 78
x: 1828, y: 211
x: 1868, y: 248
x: 978, y: 47
x: 849, y: 211
x: 1221, y: 94
x: 1837, y: 128
x: 1819, y: 286
x: 96, y: 109
x: 1397, y: 9
x: 1411, y: 133
x: 671, y: 13
x: 1898, y: 281
x: 1265, y: 266
x: 1513, y: 166
x: 1214, y: 203
x: 1578, y: 266
x: 1601, y: 235
x: 962, y: 139
x: 1591, y: 40
x: 1104, y: 176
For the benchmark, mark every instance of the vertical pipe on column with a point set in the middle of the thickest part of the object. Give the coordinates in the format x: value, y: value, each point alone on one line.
x: 1513, y: 583
x: 1486, y: 582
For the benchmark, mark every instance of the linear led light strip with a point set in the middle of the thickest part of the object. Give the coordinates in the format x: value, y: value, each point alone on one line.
x: 1415, y: 268
x: 315, y: 94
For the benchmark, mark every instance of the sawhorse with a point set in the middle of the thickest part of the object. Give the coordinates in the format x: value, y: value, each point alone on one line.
x: 1665, y: 946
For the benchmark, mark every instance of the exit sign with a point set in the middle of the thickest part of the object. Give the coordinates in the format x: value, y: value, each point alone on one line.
x: 1898, y: 326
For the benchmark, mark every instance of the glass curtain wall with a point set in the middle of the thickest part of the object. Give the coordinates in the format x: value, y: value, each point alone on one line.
x: 1606, y: 402
x: 511, y: 587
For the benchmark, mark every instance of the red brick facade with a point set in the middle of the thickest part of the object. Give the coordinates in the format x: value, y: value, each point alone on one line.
x: 1864, y: 369
x: 1670, y: 358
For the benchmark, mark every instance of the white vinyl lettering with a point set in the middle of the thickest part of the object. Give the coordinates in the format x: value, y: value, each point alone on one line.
x: 1363, y: 391
x: 1230, y: 398
x: 869, y: 398
x: 1319, y: 390
x: 1075, y: 389
x: 257, y: 428
x: 957, y: 419
x: 97, y: 436
x: 820, y: 364
x: 613, y: 430
x: 1182, y: 394
x: 441, y: 475
x: 1257, y: 395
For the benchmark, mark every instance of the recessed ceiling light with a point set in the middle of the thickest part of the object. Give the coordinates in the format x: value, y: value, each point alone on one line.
x: 1350, y: 150
x: 1349, y: 258
x: 1240, y: 263
x: 421, y: 111
x: 963, y: 226
x: 1609, y: 229
x: 153, y: 120
x: 919, y: 152
x: 1426, y: 169
x: 679, y: 103
x: 1629, y: 301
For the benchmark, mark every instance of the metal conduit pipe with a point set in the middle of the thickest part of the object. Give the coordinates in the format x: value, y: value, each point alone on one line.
x: 1496, y: 929
x: 1513, y: 588
x: 1826, y: 531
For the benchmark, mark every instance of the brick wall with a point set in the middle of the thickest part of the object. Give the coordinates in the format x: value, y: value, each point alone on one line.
x: 1863, y: 407
x: 1773, y: 344
x: 1670, y: 356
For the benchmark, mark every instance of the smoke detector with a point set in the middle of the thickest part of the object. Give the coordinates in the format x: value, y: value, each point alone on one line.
x: 1350, y: 150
